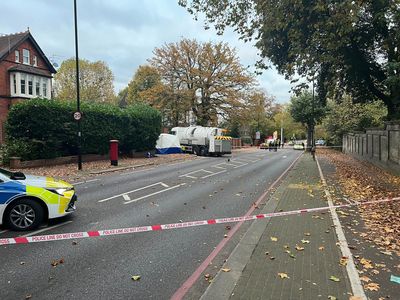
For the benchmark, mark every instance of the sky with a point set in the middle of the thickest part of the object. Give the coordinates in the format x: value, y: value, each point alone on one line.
x: 122, y: 33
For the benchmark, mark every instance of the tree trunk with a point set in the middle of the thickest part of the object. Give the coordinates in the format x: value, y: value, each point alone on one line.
x: 309, y: 137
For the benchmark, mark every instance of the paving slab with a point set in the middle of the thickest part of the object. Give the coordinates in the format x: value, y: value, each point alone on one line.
x: 302, y: 247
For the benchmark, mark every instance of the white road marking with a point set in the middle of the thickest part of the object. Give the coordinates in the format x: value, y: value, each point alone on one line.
x: 188, y: 174
x: 213, y: 174
x: 216, y: 166
x: 164, y: 185
x: 126, y: 197
x: 344, y: 247
x: 45, y: 229
x: 155, y: 193
x: 133, y: 172
x: 135, y: 190
x: 87, y: 181
x: 193, y: 177
x: 245, y: 162
x: 207, y: 171
x: 284, y: 156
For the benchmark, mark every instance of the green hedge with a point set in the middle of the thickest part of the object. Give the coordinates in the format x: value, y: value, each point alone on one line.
x: 43, y: 128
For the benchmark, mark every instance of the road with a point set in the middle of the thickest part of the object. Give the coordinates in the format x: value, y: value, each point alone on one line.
x: 101, y: 268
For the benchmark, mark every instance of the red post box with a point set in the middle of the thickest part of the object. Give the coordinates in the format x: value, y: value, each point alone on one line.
x: 114, y: 152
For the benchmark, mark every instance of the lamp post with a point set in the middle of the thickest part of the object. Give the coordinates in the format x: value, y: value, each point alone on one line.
x: 78, y: 104
x: 313, y: 124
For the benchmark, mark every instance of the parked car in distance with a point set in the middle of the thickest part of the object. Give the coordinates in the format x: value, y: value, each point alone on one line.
x: 26, y: 201
x: 320, y: 142
x: 298, y: 145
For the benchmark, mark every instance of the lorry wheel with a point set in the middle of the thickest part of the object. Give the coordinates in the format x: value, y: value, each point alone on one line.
x: 202, y: 151
x: 196, y: 150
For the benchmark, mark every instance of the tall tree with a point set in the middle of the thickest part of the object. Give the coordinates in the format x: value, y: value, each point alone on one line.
x: 145, y: 84
x: 96, y: 81
x: 305, y: 109
x: 210, y: 75
x: 351, y: 45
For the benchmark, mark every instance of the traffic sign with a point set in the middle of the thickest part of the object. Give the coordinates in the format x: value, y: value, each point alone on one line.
x: 77, y: 115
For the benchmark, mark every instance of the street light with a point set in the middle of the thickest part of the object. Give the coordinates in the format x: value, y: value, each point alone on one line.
x: 77, y: 115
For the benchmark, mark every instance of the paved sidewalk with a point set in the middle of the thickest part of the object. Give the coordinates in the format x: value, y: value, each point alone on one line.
x: 302, y: 247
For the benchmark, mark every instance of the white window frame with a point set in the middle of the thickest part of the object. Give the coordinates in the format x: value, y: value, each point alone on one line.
x: 14, y: 84
x: 35, y: 61
x: 30, y: 85
x: 23, y: 78
x: 44, y: 88
x: 26, y: 54
x: 38, y: 90
x: 16, y: 56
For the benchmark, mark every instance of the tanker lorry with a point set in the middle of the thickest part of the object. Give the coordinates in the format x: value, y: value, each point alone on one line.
x: 203, y: 141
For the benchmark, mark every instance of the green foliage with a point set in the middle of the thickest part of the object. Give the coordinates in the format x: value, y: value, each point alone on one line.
x: 306, y: 109
x: 346, y: 45
x: 347, y: 117
x: 96, y: 81
x: 48, y: 130
x: 234, y: 129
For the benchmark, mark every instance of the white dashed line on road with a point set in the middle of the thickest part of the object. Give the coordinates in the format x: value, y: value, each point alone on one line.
x: 155, y: 193
x: 126, y: 197
x: 87, y: 181
x: 135, y: 190
x: 213, y: 174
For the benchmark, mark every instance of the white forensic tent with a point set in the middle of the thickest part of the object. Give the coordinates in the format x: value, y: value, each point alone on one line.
x: 168, y: 144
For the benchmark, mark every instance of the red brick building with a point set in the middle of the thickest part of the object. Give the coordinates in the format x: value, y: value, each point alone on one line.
x: 25, y: 72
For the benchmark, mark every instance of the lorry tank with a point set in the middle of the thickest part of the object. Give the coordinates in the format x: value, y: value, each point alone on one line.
x: 203, y: 141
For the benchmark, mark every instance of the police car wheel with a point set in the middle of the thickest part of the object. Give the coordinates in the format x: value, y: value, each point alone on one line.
x: 24, y: 214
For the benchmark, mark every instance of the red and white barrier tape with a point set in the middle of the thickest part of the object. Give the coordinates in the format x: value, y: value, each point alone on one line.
x: 130, y: 230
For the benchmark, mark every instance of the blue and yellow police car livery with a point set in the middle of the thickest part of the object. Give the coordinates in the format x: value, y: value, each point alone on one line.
x: 26, y: 201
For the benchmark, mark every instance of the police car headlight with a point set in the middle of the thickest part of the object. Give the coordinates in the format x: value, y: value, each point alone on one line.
x: 58, y: 191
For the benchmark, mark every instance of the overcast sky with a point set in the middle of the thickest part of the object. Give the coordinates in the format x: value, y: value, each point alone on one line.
x: 123, y: 33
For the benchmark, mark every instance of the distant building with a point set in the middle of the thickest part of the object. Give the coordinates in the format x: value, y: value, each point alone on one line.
x: 25, y: 72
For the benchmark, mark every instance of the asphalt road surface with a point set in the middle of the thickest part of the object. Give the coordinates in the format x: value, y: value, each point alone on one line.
x: 101, y: 268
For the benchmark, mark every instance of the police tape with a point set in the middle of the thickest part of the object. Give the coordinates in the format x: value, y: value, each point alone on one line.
x: 131, y: 230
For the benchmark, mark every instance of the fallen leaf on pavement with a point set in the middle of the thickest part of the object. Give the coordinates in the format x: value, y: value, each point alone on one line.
x: 355, y: 298
x: 135, y: 277
x: 372, y: 287
x: 283, y: 275
x: 366, y: 263
x: 274, y: 239
x: 298, y: 248
x: 307, y: 234
x: 365, y: 279
x: 226, y: 270
x: 305, y: 241
x: 322, y: 248
x: 332, y: 297
x: 333, y: 278
x: 29, y: 296
x: 343, y: 261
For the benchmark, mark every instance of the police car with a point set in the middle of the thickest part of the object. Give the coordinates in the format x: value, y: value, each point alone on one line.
x: 26, y: 200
